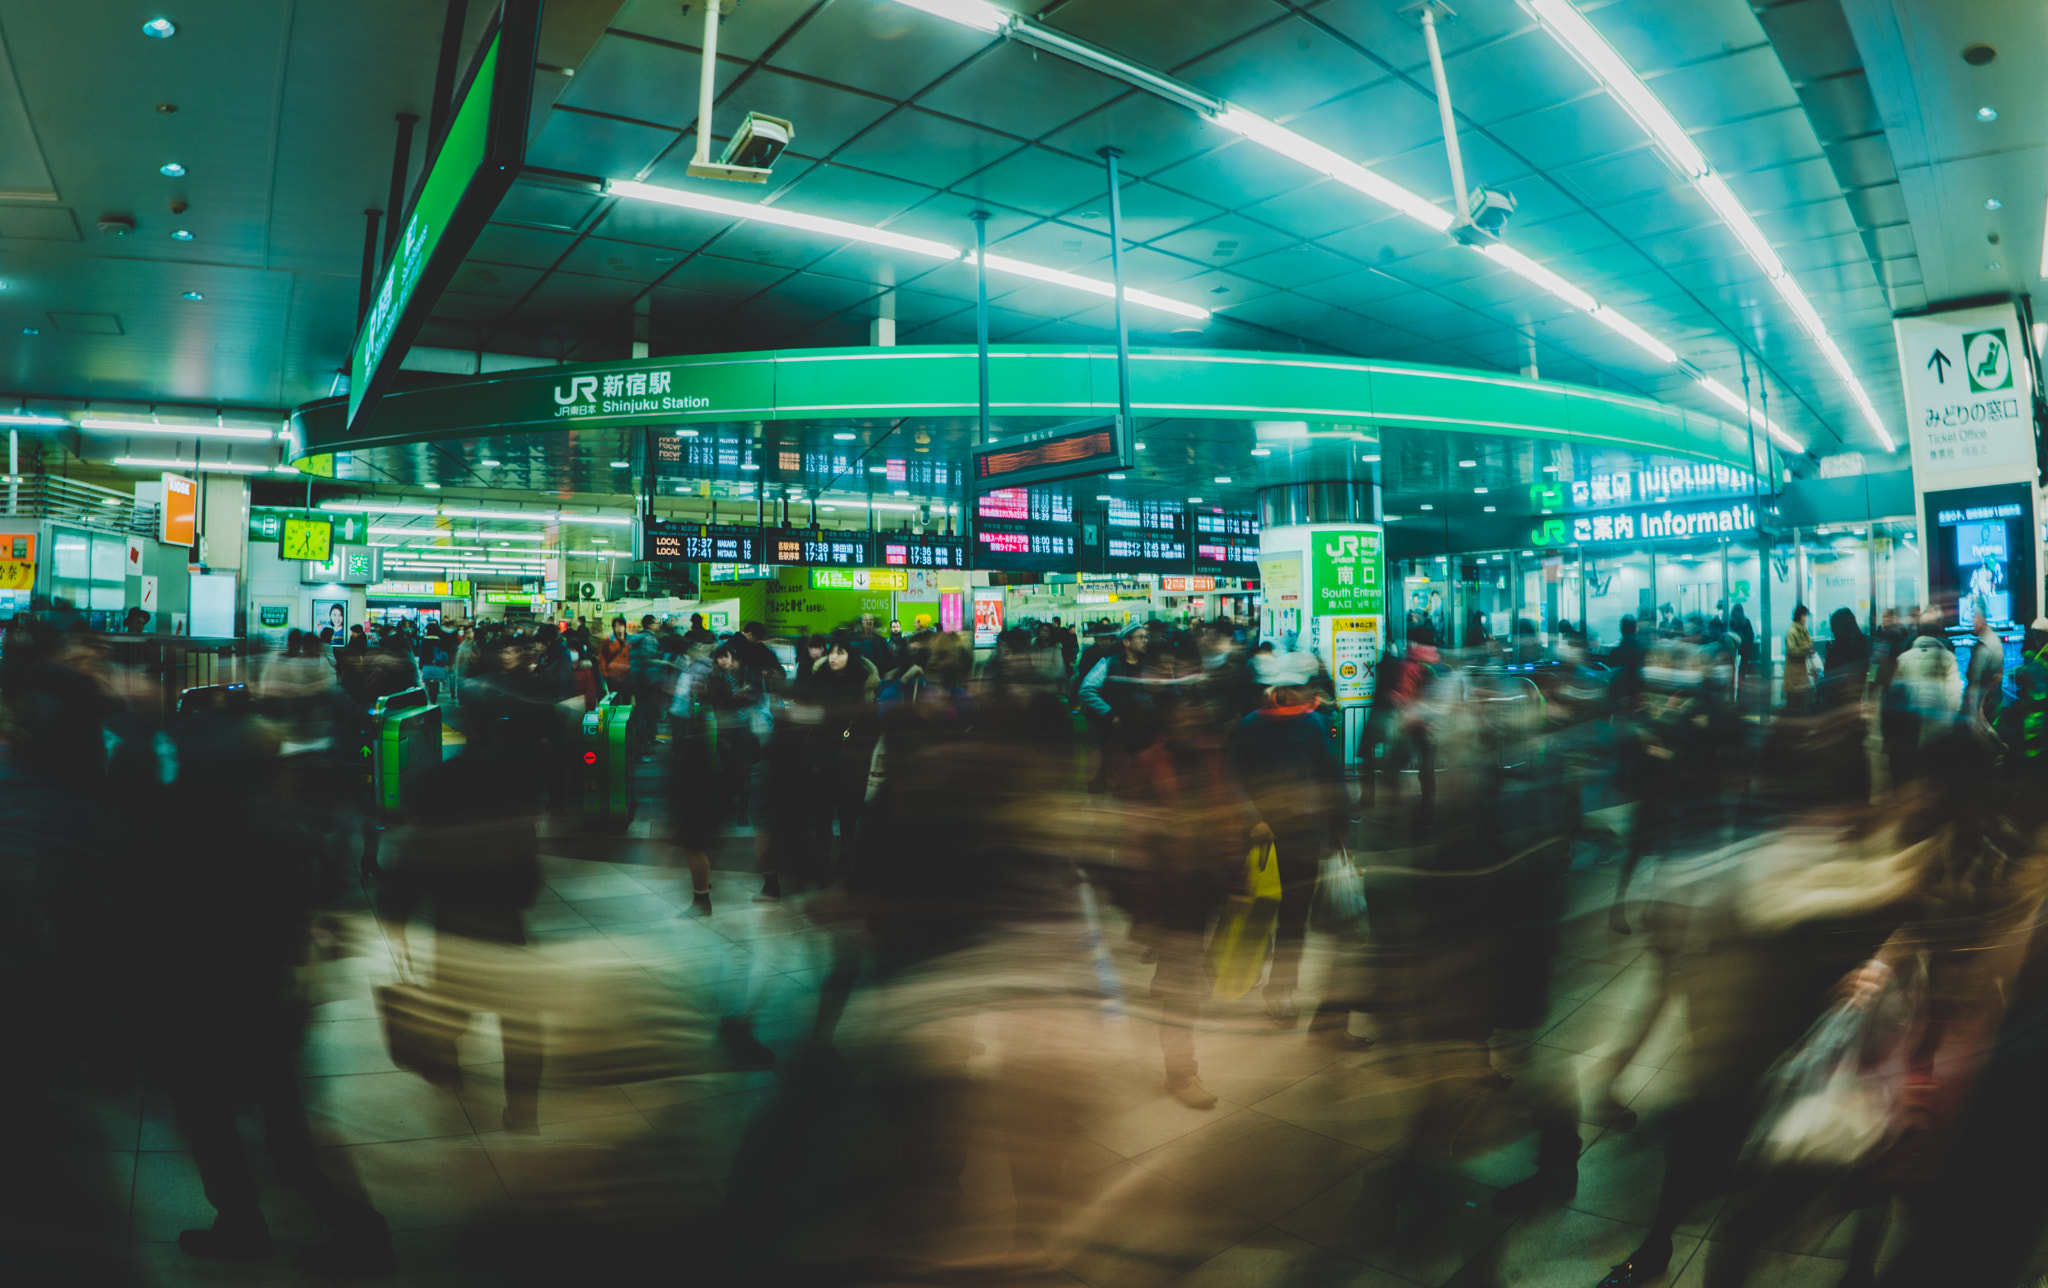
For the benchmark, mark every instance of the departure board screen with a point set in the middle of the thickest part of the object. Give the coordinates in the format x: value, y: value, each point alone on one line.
x: 920, y: 550
x: 671, y: 541
x: 1145, y: 536
x: 726, y: 543
x: 817, y: 548
x: 1026, y: 530
x: 1227, y: 541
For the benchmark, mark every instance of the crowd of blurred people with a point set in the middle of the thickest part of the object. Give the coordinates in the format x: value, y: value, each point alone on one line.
x: 1835, y: 892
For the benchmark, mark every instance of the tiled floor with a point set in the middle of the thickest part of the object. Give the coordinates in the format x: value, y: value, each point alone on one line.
x: 1286, y: 1181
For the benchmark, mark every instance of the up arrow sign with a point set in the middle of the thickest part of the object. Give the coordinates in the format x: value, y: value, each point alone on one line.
x: 1939, y: 365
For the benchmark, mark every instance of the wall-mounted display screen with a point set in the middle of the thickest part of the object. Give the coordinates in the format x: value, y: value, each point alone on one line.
x: 817, y: 548
x: 1061, y: 452
x: 1980, y: 555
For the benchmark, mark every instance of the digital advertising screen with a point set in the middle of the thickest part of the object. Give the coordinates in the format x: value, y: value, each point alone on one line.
x: 1980, y: 555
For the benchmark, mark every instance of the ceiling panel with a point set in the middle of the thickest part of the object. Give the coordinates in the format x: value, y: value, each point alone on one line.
x: 1015, y: 89
x: 723, y: 276
x: 1225, y: 242
x: 1295, y: 265
x: 1161, y: 33
x: 887, y: 49
x: 1317, y: 210
x: 525, y: 247
x: 1038, y: 180
x: 650, y: 82
x: 1148, y: 211
x: 746, y: 32
x: 923, y: 148
x: 1152, y: 133
x: 856, y: 196
x: 1282, y: 69
x: 597, y: 146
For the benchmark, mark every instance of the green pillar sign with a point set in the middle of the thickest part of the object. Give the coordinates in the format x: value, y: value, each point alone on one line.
x: 1347, y: 578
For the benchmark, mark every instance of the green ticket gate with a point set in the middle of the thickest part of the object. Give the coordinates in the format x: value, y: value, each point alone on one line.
x: 607, y: 763
x: 403, y: 747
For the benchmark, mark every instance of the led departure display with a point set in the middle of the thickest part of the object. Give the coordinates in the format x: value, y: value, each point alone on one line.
x: 920, y: 550
x: 1041, y: 456
x: 1227, y: 541
x: 817, y: 548
x: 1025, y: 530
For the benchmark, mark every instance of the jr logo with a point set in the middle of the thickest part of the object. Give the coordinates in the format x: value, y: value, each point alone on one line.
x: 1346, y: 547
x: 580, y: 387
x: 1550, y: 534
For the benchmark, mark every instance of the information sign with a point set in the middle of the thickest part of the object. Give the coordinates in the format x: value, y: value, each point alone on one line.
x: 896, y: 579
x: 1346, y: 577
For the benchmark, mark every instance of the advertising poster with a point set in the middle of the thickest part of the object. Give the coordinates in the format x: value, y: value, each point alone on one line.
x: 1280, y: 580
x: 1354, y: 657
x: 17, y: 561
x: 988, y: 616
x: 952, y: 610
x: 177, y: 519
x: 331, y: 614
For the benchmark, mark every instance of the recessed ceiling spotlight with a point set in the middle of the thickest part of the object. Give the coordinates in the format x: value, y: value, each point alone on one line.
x: 159, y: 28
x: 194, y: 295
x: 31, y: 330
x: 1987, y: 114
x: 1467, y: 465
x: 844, y: 438
x: 1978, y: 54
x: 1427, y: 506
x: 1194, y: 500
x: 1139, y: 446
x: 488, y: 463
x: 686, y: 433
x: 171, y: 170
x: 431, y: 487
x: 1262, y: 451
x: 1992, y: 203
x: 1550, y: 469
x: 1118, y: 478
x: 622, y: 465
x: 750, y: 466
x: 1223, y: 478
x: 1491, y: 508
x: 878, y: 469
x: 183, y: 234
x: 1103, y: 497
x: 1479, y: 491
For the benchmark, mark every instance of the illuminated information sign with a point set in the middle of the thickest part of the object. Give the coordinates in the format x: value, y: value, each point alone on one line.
x: 1227, y: 541
x: 920, y: 550
x: 1042, y: 456
x: 1025, y: 529
x: 816, y: 548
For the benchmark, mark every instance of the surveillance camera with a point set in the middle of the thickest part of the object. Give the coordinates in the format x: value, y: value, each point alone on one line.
x: 1487, y: 214
x: 754, y: 147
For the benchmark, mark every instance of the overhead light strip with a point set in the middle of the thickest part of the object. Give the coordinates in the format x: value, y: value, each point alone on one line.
x: 108, y: 425
x: 1571, y: 29
x: 1277, y: 138
x: 197, y: 467
x: 1734, y: 403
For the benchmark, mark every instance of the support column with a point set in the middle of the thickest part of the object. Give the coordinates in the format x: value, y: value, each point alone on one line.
x: 1332, y: 535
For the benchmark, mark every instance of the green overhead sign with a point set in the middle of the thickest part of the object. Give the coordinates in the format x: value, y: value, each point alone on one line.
x: 1340, y: 397
x: 266, y: 524
x: 464, y: 180
x: 1347, y: 573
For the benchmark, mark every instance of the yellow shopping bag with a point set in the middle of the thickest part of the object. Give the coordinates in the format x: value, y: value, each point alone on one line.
x: 1244, y: 932
x: 1262, y: 872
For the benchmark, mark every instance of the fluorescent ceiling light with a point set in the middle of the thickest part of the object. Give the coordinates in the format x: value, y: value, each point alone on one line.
x: 1733, y: 401
x: 1522, y: 266
x: 977, y: 14
x: 1571, y: 29
x: 108, y: 425
x: 209, y: 467
x: 761, y: 213
x: 1315, y: 156
x: 364, y: 507
x: 883, y: 237
x: 1628, y: 330
x: 30, y: 418
x: 1057, y: 277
